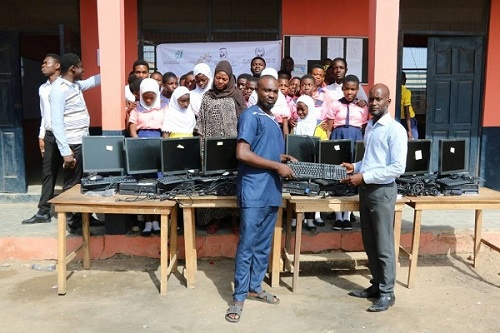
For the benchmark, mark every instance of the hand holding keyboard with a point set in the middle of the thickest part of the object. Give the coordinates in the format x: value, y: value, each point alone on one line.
x: 307, y: 170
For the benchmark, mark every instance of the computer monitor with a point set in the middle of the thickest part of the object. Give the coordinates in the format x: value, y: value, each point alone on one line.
x: 103, y: 154
x: 142, y: 155
x: 178, y: 155
x: 303, y: 147
x: 335, y: 151
x: 219, y: 155
x: 453, y: 156
x: 418, y: 157
x: 359, y: 150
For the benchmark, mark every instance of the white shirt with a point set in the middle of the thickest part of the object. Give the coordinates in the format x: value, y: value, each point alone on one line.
x: 44, y: 93
x: 335, y: 91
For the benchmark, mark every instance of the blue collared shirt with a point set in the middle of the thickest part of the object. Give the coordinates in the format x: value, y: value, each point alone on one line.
x: 386, y: 146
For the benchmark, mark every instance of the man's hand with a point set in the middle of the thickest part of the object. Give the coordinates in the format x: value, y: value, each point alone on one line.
x: 287, y: 158
x: 69, y: 162
x: 285, y: 171
x: 348, y: 166
x: 41, y: 144
x: 353, y: 180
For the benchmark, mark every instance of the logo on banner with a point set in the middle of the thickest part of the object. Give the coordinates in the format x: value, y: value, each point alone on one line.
x: 260, y: 51
x: 223, y: 53
x: 179, y: 54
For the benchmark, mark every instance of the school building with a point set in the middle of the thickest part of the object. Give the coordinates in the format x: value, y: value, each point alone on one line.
x: 449, y: 48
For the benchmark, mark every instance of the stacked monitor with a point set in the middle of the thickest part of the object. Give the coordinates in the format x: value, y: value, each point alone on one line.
x: 302, y: 147
x: 180, y: 155
x: 103, y: 154
x: 359, y: 150
x: 142, y: 155
x: 418, y: 157
x: 452, y: 156
x: 219, y: 155
x: 335, y: 151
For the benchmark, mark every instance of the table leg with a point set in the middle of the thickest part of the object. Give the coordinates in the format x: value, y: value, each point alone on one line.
x: 86, y: 240
x: 289, y: 216
x: 164, y: 255
x: 398, y: 216
x: 190, y: 246
x: 296, y: 256
x: 477, y: 235
x: 276, y: 250
x: 415, y: 243
x: 61, y: 253
x: 173, y: 237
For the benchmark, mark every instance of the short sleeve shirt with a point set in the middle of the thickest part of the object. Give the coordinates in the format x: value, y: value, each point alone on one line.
x: 259, y: 187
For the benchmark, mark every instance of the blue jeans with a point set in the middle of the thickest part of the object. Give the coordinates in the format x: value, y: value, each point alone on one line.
x: 414, y: 127
x: 252, y: 255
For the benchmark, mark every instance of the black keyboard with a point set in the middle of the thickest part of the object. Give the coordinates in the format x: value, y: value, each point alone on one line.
x: 104, y: 183
x: 307, y: 170
x: 450, y: 182
x: 174, y: 179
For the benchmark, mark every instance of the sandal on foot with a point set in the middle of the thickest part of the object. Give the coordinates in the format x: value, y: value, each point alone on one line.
x: 235, y: 309
x: 212, y: 228
x: 265, y: 297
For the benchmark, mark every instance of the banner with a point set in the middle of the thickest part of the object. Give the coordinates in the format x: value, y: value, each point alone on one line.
x: 181, y: 58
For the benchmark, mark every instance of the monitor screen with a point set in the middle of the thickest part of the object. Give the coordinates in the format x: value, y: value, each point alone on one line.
x: 452, y: 156
x: 418, y: 157
x: 303, y: 147
x: 178, y: 155
x: 103, y: 154
x: 219, y: 155
x: 359, y: 150
x: 142, y: 155
x: 335, y: 151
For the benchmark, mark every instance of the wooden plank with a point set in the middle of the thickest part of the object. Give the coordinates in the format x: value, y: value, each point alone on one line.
x: 330, y: 256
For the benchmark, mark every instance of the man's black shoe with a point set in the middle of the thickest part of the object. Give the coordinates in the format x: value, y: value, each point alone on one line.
x: 370, y: 292
x: 383, y: 303
x: 37, y: 219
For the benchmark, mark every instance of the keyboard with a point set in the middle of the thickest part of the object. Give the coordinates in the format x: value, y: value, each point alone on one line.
x: 307, y: 170
x: 174, y: 179
x: 105, y: 183
x: 450, y: 182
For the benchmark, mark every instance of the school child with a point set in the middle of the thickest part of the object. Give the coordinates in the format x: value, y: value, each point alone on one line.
x: 307, y: 124
x: 204, y: 79
x: 169, y: 80
x: 146, y: 121
x: 179, y: 120
x: 158, y: 77
x: 250, y: 86
x: 294, y: 91
x: 284, y: 85
x: 345, y: 121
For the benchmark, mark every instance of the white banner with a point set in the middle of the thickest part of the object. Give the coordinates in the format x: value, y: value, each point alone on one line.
x: 182, y: 57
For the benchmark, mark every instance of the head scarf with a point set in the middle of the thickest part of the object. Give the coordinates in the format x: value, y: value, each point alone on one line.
x: 148, y: 85
x: 177, y: 119
x: 197, y: 93
x: 230, y: 89
x: 307, y: 125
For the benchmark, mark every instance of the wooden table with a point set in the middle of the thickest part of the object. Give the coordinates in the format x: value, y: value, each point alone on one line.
x: 486, y: 199
x: 303, y: 204
x: 72, y: 201
x: 188, y: 205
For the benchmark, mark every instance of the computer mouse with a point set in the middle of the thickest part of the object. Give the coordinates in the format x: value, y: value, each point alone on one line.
x: 95, y: 177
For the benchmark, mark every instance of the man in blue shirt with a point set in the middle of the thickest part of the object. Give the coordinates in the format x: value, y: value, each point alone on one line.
x: 259, y: 150
x: 384, y: 160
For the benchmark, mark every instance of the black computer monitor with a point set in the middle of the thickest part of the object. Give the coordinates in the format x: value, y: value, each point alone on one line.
x: 178, y: 155
x: 453, y: 156
x: 103, y: 154
x: 359, y: 150
x: 335, y: 151
x: 142, y: 155
x: 418, y: 157
x: 303, y: 147
x: 219, y: 155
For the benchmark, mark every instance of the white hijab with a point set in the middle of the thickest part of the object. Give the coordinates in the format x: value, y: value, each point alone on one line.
x: 197, y: 94
x: 148, y: 85
x: 178, y: 119
x: 307, y: 126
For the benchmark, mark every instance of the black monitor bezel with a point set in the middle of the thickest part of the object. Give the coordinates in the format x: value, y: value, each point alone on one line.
x: 309, y: 140
x: 176, y: 142
x: 357, y: 144
x: 157, y: 156
x: 344, y: 144
x: 207, y: 155
x: 465, y: 168
x: 116, y: 141
x: 410, y: 154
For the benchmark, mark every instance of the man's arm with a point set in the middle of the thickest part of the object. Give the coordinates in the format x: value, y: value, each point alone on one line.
x: 57, y: 104
x: 245, y: 155
x: 91, y: 82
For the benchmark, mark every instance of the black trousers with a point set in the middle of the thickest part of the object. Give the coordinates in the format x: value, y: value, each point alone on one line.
x: 377, y: 203
x: 51, y: 164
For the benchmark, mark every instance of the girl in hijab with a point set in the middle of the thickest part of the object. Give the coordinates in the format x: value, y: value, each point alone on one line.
x: 179, y: 119
x: 146, y: 119
x: 218, y: 117
x: 204, y: 78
